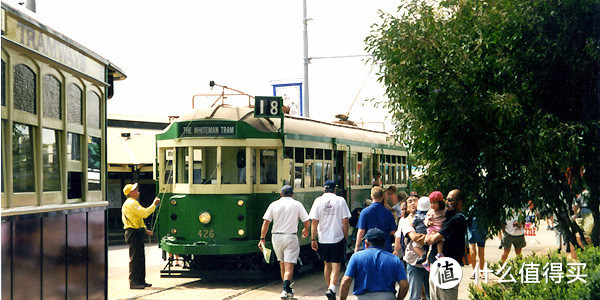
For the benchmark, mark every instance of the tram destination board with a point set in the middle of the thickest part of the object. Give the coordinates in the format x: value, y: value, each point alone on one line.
x: 205, y: 130
x: 268, y: 107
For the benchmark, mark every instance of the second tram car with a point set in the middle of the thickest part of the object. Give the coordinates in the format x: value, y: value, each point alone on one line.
x: 219, y: 168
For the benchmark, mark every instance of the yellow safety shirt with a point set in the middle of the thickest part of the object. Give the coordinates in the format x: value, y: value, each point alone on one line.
x: 133, y: 214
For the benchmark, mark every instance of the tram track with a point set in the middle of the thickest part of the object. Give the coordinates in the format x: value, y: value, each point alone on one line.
x: 191, y: 283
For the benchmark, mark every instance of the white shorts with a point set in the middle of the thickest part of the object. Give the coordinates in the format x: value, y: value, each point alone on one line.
x: 286, y: 247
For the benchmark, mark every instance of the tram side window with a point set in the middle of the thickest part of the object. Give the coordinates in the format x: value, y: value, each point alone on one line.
x: 233, y: 165
x: 353, y: 176
x: 318, y: 173
x: 308, y: 168
x: 299, y: 167
x: 74, y: 176
x: 74, y: 146
x: 23, y: 165
x: 328, y: 170
x: 183, y: 165
x: 298, y: 178
x: 74, y: 183
x: 51, y: 159
x: 366, y: 169
x: 94, y: 160
x: 168, y: 166
x: 268, y: 166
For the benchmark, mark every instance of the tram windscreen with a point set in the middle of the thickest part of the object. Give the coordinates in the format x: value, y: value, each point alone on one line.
x: 205, y: 165
x: 233, y: 161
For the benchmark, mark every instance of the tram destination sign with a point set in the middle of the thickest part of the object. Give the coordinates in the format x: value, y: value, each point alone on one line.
x: 208, y: 130
x: 268, y: 107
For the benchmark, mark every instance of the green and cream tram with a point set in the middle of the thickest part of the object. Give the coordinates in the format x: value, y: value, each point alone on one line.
x: 220, y: 167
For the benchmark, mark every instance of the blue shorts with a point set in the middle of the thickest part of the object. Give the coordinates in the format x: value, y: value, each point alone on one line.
x: 475, y: 236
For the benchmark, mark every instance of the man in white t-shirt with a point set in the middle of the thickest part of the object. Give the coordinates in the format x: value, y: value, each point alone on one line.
x: 285, y: 213
x: 330, y: 214
x: 513, y: 234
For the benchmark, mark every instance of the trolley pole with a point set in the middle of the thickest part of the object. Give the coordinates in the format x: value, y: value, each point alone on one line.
x: 306, y: 111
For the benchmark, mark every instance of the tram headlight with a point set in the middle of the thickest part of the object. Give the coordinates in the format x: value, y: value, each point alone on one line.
x: 173, y: 231
x: 204, y: 218
x: 241, y: 202
x: 241, y: 232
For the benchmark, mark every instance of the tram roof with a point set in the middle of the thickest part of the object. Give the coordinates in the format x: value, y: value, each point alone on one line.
x: 36, y: 21
x: 293, y: 125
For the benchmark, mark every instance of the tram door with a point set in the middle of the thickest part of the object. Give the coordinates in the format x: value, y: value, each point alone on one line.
x: 340, y: 174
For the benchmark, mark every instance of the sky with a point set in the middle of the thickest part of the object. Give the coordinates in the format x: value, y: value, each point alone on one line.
x: 170, y: 50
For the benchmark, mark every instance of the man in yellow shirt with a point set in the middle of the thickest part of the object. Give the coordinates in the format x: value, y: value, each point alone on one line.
x: 133, y: 215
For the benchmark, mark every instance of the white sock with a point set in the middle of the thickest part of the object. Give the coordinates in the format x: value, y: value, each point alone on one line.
x: 332, y: 287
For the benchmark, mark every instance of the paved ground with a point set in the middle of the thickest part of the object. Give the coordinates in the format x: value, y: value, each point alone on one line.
x: 309, y: 286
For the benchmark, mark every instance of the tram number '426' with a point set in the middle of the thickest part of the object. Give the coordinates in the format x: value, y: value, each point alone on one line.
x: 205, y: 233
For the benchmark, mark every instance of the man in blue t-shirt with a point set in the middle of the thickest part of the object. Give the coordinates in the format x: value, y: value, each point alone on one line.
x: 376, y: 271
x: 376, y: 216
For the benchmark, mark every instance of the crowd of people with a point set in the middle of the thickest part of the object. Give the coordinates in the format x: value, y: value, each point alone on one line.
x: 398, y: 239
x: 422, y: 230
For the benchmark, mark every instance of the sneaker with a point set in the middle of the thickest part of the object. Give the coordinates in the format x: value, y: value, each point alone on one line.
x: 426, y: 266
x: 330, y: 294
x: 287, y: 295
x: 439, y: 255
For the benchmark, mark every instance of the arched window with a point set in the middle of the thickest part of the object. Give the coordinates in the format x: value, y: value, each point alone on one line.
x: 24, y: 89
x: 74, y: 104
x: 93, y: 110
x: 51, y: 97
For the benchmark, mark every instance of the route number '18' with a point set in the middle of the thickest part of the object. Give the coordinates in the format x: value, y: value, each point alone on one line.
x: 267, y: 107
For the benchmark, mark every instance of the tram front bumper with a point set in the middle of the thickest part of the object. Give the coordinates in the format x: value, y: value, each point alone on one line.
x: 203, y: 248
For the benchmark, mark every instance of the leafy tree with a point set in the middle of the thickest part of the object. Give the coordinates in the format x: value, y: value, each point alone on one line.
x: 500, y: 97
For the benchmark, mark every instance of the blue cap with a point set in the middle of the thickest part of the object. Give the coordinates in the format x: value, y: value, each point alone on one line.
x: 374, y: 234
x: 287, y: 190
x: 329, y: 184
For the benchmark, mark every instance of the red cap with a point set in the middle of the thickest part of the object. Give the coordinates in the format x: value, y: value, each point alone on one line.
x: 436, y: 196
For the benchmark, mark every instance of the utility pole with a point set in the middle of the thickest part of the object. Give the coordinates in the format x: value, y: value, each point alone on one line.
x: 306, y: 62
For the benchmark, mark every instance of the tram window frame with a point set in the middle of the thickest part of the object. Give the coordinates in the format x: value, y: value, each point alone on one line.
x: 309, y: 168
x: 94, y: 185
x: 25, y: 186
x: 367, y: 169
x: 168, y: 160
x: 288, y: 152
x: 209, y: 174
x: 352, y: 168
x: 319, y: 154
x: 230, y: 162
x: 51, y: 181
x: 182, y: 165
x: 273, y: 161
x: 299, y: 155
